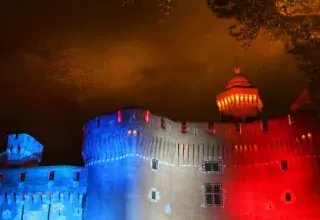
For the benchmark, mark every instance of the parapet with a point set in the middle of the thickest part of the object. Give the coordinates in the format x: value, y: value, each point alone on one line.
x: 137, y: 132
x: 43, y: 179
x: 23, y: 149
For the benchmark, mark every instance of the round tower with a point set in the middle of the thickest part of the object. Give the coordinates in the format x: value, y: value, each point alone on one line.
x: 239, y: 99
x: 23, y: 150
x: 109, y: 151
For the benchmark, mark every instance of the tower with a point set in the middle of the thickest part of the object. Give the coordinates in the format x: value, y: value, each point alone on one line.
x: 23, y: 150
x: 239, y: 99
x: 109, y: 152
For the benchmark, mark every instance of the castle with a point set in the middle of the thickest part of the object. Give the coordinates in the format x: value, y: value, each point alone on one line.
x: 140, y: 166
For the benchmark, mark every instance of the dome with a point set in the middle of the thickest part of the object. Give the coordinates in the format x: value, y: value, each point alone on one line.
x: 238, y: 80
x: 240, y: 99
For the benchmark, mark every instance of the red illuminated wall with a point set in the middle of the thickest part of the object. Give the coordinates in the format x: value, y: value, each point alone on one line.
x: 256, y: 186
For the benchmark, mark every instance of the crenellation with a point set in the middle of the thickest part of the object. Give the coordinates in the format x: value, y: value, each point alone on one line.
x: 145, y: 166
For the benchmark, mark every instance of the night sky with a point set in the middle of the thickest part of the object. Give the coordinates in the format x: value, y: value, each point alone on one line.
x: 67, y: 61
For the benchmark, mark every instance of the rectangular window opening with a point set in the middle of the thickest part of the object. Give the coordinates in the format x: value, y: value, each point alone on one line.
x: 196, y: 131
x: 163, y: 123
x: 211, y: 127
x: 184, y: 127
x: 153, y: 195
x: 51, y: 175
x: 98, y: 122
x: 1, y: 177
x: 22, y: 177
x: 284, y: 165
x: 238, y: 127
x: 264, y: 125
x: 288, y: 197
x: 213, y: 194
x: 210, y: 166
x: 155, y: 164
x: 76, y: 176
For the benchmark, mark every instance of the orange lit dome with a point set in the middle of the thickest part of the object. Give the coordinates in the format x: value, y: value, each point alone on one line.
x: 240, y: 98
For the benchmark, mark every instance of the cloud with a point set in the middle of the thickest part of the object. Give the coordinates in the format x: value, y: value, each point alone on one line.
x: 130, y: 54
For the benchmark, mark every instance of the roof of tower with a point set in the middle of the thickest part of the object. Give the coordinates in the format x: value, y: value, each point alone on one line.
x: 240, y: 98
x: 238, y: 80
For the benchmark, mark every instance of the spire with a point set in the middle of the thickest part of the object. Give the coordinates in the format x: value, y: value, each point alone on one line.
x: 236, y: 71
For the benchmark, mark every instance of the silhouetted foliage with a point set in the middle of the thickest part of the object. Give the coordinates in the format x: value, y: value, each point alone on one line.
x: 256, y: 18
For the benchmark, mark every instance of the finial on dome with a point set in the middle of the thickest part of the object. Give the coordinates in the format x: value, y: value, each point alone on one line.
x: 236, y: 71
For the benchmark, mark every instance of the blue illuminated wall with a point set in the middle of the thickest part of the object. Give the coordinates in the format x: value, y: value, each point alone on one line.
x: 37, y: 193
x: 139, y: 166
x: 23, y: 149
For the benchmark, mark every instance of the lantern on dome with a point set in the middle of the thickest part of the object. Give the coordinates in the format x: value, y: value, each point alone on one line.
x: 239, y: 99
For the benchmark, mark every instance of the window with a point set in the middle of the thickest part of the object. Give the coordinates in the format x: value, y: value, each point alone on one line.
x: 290, y: 119
x: 22, y: 177
x: 154, y: 164
x: 211, y: 127
x: 213, y: 194
x: 153, y: 195
x: 238, y: 127
x: 211, y: 166
x: 76, y: 176
x: 184, y: 127
x: 98, y: 122
x: 51, y: 175
x: 264, y: 125
x: 1, y: 177
x: 196, y: 131
x: 288, y: 196
x: 163, y: 123
x: 284, y: 165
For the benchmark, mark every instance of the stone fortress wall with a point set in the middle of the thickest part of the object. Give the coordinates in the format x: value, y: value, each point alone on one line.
x: 38, y: 193
x: 142, y: 166
x: 137, y: 141
x: 145, y: 158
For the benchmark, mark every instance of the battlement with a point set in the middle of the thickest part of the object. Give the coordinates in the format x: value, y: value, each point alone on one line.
x: 136, y: 132
x: 133, y: 132
x: 23, y: 148
x: 73, y: 197
x: 43, y: 179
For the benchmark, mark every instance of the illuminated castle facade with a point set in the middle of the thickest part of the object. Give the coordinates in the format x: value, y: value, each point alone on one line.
x: 139, y: 166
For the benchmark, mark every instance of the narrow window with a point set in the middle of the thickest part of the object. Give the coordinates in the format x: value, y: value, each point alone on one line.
x: 155, y: 164
x: 196, y: 131
x: 184, y: 127
x: 284, y: 165
x: 98, y: 122
x: 16, y: 136
x: 147, y: 116
x: 163, y: 123
x: 22, y: 177
x: 76, y: 176
x: 153, y: 195
x: 211, y: 127
x: 288, y: 197
x: 210, y: 166
x: 213, y: 194
x: 264, y: 125
x: 1, y: 177
x: 51, y: 175
x: 238, y: 127
x: 290, y: 119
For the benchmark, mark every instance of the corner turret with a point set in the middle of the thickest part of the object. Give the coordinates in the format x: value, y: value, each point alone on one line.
x: 23, y: 150
x: 239, y: 99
